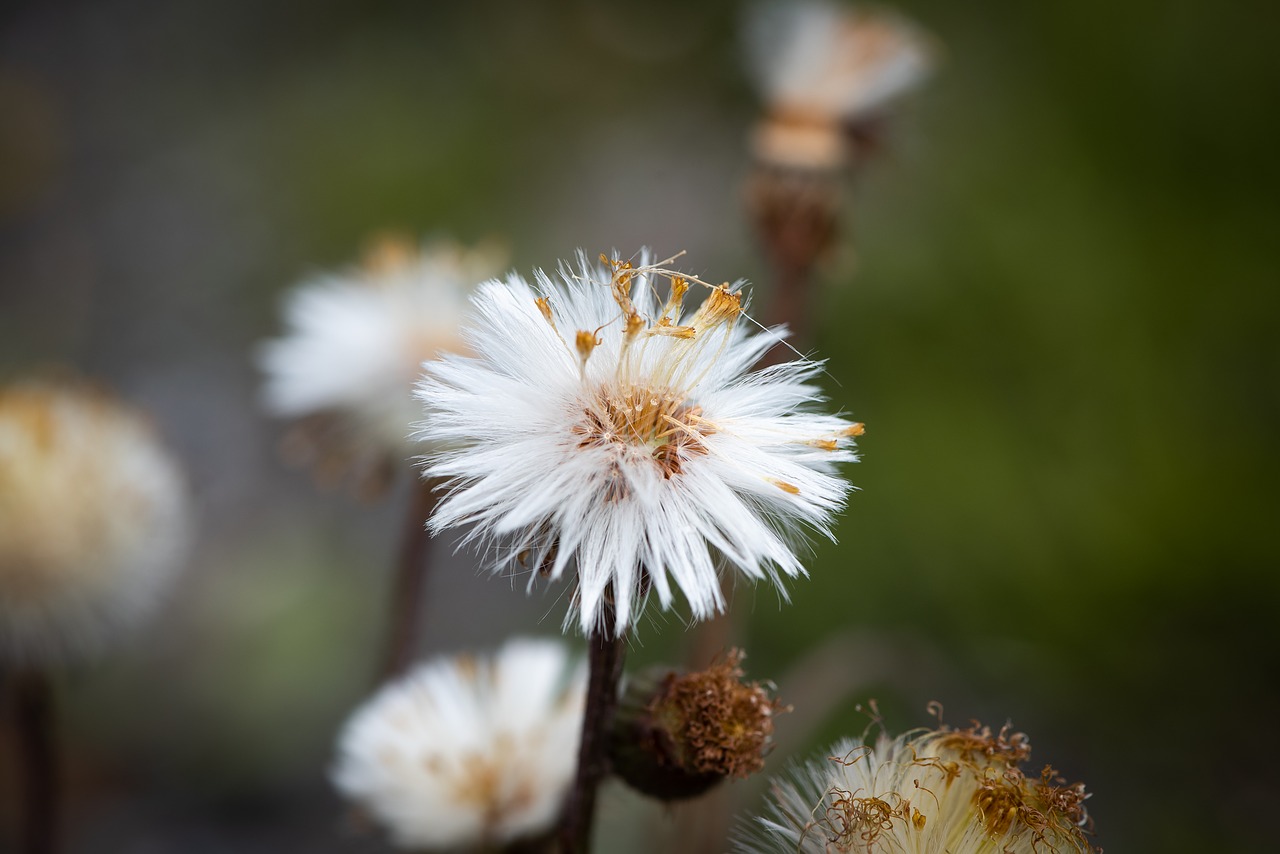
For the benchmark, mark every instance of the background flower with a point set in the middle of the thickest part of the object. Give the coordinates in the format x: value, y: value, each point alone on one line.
x: 355, y: 342
x: 823, y: 67
x: 93, y: 520
x: 464, y: 751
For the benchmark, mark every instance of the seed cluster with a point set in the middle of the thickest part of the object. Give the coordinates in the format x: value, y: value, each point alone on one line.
x: 724, y: 725
x: 658, y: 422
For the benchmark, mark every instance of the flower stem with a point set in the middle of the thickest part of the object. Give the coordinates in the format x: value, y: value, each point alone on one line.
x: 412, y: 566
x: 792, y: 303
x: 38, y: 760
x: 606, y: 653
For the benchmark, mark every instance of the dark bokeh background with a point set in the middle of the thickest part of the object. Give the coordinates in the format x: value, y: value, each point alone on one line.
x: 1058, y: 323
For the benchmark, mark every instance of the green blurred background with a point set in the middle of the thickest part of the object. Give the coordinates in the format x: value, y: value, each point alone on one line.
x: 1055, y: 310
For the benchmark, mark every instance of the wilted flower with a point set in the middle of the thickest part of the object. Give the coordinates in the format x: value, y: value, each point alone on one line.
x: 676, y: 735
x: 603, y: 427
x: 93, y: 520
x: 824, y: 68
x: 467, y: 752
x: 938, y: 791
x: 355, y: 342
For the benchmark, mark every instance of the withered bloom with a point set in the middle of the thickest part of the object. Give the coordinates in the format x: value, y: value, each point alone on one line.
x: 677, y: 735
x: 925, y: 792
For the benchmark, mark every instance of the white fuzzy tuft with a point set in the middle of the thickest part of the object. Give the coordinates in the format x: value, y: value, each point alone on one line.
x: 355, y: 342
x: 605, y: 429
x: 467, y: 752
x: 93, y: 521
x: 830, y: 62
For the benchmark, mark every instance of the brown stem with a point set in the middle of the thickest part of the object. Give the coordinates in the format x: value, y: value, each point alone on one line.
x: 38, y: 761
x: 406, y: 592
x: 795, y: 214
x: 606, y: 653
x: 791, y: 303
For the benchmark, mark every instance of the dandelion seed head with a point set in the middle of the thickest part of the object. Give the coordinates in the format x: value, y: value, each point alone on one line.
x: 637, y: 451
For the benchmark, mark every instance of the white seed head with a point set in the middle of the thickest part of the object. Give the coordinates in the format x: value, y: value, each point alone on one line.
x: 605, y: 427
x: 467, y: 752
x: 93, y: 521
x: 355, y: 342
x: 820, y: 65
x: 926, y: 792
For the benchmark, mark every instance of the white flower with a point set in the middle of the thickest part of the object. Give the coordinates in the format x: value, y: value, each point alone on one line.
x: 93, y: 521
x: 927, y: 792
x: 834, y: 61
x: 465, y: 752
x: 355, y: 342
x: 602, y: 427
x: 820, y: 65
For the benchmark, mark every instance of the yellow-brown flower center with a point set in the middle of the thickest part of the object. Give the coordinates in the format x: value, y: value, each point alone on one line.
x: 638, y: 417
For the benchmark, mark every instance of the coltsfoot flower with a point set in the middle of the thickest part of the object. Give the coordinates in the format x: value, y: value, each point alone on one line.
x: 355, y: 342
x: 93, y: 521
x: 603, y: 427
x: 823, y: 67
x: 938, y: 791
x: 467, y: 752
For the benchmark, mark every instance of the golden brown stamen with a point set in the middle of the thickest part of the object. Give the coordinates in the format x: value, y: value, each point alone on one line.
x: 675, y: 302
x: 585, y: 342
x: 789, y: 488
x: 638, y: 417
x: 544, y: 306
x: 721, y: 306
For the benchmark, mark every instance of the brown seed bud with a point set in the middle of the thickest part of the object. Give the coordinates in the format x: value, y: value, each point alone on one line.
x: 677, y: 735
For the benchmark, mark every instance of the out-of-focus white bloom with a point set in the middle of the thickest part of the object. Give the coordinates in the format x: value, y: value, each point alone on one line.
x: 467, y: 752
x: 927, y: 792
x: 355, y: 342
x: 834, y: 61
x: 821, y: 65
x: 93, y: 521
x: 602, y: 426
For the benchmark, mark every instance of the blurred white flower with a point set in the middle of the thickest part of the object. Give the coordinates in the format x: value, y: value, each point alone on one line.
x: 355, y: 342
x: 926, y: 792
x: 821, y: 65
x: 602, y: 427
x: 467, y: 752
x: 93, y: 521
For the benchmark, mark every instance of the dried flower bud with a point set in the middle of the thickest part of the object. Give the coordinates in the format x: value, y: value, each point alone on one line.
x: 677, y: 735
